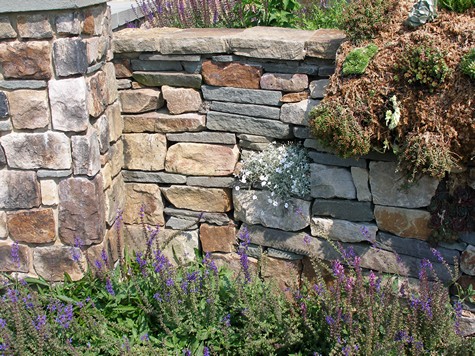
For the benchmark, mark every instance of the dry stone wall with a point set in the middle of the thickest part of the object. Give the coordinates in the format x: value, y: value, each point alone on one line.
x: 196, y: 102
x: 60, y: 136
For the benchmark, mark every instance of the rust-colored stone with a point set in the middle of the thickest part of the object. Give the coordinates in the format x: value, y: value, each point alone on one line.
x: 199, y: 199
x: 147, y: 196
x: 122, y: 68
x: 97, y: 94
x: 403, y: 222
x: 218, y: 238
x: 236, y: 75
x: 294, y: 97
x: 285, y: 273
x: 34, y: 226
x: 26, y: 60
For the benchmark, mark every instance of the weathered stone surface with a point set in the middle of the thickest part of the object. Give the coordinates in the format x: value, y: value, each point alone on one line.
x: 331, y: 182
x: 271, y: 42
x: 256, y: 146
x: 141, y: 100
x: 343, y: 209
x: 147, y: 196
x: 297, y: 113
x: 94, y: 68
x: 157, y: 79
x: 81, y: 210
x: 342, y: 230
x: 123, y: 84
x: 26, y: 60
x: 467, y: 260
x: 302, y: 132
x: 9, y: 264
x: 33, y: 226
x: 211, y: 218
x: 34, y: 26
x: 285, y: 273
x: 144, y: 151
x: 324, y: 43
x: 3, y: 159
x: 456, y: 246
x: 117, y: 157
x: 232, y: 262
x: 175, y: 223
x: 68, y: 23
x: 211, y: 182
x: 53, y: 261
x: 123, y: 68
x: 116, y: 123
x: 151, y: 65
x: 260, y: 210
x: 317, y: 88
x: 284, y: 82
x: 218, y: 238
x: 197, y: 41
x: 317, y: 145
x: 181, y: 100
x: 3, y: 225
x: 68, y: 100
x: 326, y: 71
x: 334, y: 160
x: 6, y: 29
x: 106, y: 173
x: 6, y: 126
x: 28, y: 109
x: 201, y: 159
x: 204, y: 137
x: 115, y: 199
x: 86, y: 154
x: 163, y: 122
x: 23, y: 84
x: 92, y: 49
x: 245, y: 96
x: 403, y: 222
x: 265, y: 112
x: 153, y: 177
x: 169, y: 57
x: 199, y: 199
x: 294, y: 97
x: 218, y: 121
x: 387, y: 187
x: 103, y: 132
x: 254, y: 138
x: 70, y: 56
x: 467, y: 324
x: 235, y: 74
x: 136, y: 40
x: 97, y: 99
x: 112, y: 92
x: 93, y: 21
x: 361, y: 179
x: 37, y: 150
x: 48, y: 173
x: 4, y: 110
x: 415, y: 248
x: 49, y: 192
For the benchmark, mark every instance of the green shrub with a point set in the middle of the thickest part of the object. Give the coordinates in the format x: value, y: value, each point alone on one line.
x: 457, y: 5
x: 467, y: 64
x: 323, y: 14
x: 337, y: 128
x: 358, y: 60
x: 365, y: 19
x: 424, y: 65
x: 267, y: 13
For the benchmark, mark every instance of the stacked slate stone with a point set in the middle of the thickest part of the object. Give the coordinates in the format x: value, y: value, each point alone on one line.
x: 60, y: 136
x: 196, y: 101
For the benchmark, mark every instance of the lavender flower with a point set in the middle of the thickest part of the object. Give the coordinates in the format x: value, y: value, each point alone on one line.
x: 76, y: 254
x: 307, y: 239
x: 145, y: 337
x: 3, y: 323
x: 39, y: 322
x: 458, y: 314
x: 338, y: 269
x: 437, y: 254
x: 169, y: 282
x: 104, y: 256
x: 186, y: 352
x: 15, y: 254
x: 330, y: 321
x: 109, y: 287
x: 65, y: 316
x: 205, y: 351
x: 227, y: 320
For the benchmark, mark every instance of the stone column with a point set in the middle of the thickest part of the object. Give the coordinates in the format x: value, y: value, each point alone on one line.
x: 60, y: 135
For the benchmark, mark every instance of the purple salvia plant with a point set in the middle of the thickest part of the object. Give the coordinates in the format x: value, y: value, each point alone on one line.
x: 15, y: 254
x: 109, y: 287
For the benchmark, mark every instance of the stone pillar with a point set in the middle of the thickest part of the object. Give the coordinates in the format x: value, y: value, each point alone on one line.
x: 60, y: 134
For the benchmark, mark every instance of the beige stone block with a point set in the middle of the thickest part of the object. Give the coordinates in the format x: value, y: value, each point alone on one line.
x: 146, y: 197
x: 199, y: 199
x: 145, y: 151
x: 32, y: 226
x: 49, y: 192
x: 29, y: 109
x: 181, y: 100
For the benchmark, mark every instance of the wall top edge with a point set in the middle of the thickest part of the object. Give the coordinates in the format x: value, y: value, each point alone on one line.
x: 8, y: 6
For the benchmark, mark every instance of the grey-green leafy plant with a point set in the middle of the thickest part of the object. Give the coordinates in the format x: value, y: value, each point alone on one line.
x: 457, y: 5
x: 467, y: 64
x: 358, y: 60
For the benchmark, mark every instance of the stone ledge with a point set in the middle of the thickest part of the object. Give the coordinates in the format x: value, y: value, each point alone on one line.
x: 45, y: 5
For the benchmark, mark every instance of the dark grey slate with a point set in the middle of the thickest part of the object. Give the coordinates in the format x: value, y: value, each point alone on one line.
x: 46, y: 173
x: 326, y: 71
x: 169, y: 57
x: 239, y: 95
x: 377, y: 156
x: 204, y: 137
x: 173, y: 79
x: 317, y: 88
x: 459, y: 246
x: 156, y: 65
x: 23, y: 84
x: 343, y: 209
x: 302, y: 132
x: 70, y: 56
x: 3, y: 159
x: 3, y: 105
x: 181, y: 224
x: 218, y: 121
x: 468, y: 237
x: 265, y: 112
x: 224, y: 58
x: 211, y: 182
x: 286, y: 67
x: 285, y: 255
x: 95, y: 67
x: 413, y: 247
x: 192, y: 67
x: 212, y: 218
x: 153, y: 177
x: 255, y: 146
x: 332, y: 160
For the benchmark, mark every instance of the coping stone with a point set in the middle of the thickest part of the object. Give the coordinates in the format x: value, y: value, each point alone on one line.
x: 45, y: 5
x: 23, y: 84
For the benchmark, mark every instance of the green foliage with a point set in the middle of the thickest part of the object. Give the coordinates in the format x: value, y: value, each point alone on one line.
x: 336, y: 127
x: 279, y: 13
x: 425, y: 154
x: 323, y: 14
x: 358, y: 60
x: 467, y: 64
x: 425, y: 65
x: 457, y: 5
x: 365, y: 19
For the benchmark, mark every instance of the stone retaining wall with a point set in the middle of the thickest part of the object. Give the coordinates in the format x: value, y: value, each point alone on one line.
x: 195, y: 102
x: 60, y: 136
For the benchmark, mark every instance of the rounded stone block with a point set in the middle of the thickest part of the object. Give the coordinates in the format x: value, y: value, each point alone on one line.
x: 181, y: 100
x: 140, y: 100
x: 34, y: 226
x: 29, y: 109
x: 201, y: 159
x: 284, y: 82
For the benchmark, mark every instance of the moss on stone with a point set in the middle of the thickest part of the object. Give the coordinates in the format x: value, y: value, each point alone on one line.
x: 358, y: 59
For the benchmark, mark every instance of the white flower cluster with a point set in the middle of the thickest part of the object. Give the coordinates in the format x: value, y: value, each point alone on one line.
x: 283, y: 169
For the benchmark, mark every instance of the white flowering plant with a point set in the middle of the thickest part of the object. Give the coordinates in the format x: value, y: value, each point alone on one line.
x: 283, y: 169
